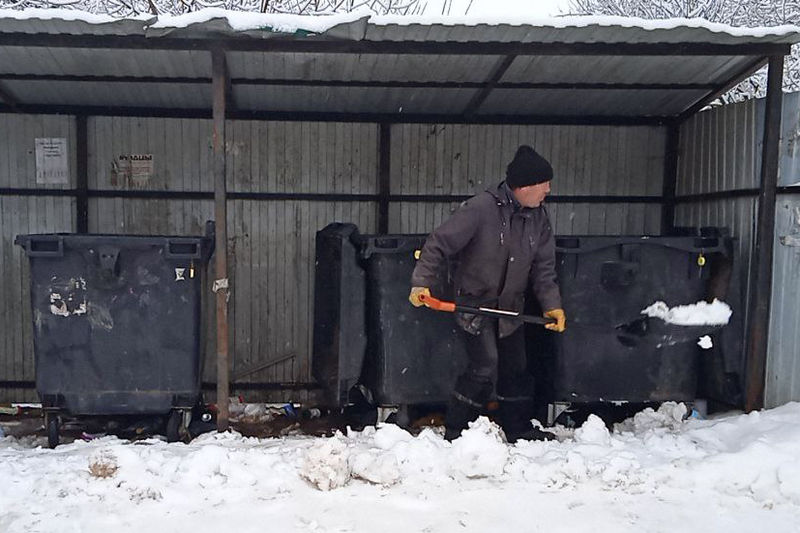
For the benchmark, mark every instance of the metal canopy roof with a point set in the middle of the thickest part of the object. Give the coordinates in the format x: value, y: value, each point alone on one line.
x: 376, y: 69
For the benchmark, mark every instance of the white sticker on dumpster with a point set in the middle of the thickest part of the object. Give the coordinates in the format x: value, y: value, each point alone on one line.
x: 61, y: 306
x: 180, y: 274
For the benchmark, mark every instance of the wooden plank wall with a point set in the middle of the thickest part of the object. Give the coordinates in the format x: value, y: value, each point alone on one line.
x: 271, y: 239
x: 23, y: 214
x: 587, y: 161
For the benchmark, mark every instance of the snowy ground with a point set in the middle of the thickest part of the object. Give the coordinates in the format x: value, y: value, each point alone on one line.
x: 655, y: 472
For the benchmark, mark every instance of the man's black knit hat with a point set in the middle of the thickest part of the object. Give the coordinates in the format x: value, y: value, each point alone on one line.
x: 527, y: 168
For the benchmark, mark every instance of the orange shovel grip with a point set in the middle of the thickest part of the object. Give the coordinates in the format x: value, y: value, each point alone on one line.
x: 436, y: 304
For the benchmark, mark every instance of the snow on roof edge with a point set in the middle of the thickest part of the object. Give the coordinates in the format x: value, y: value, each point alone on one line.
x: 247, y: 20
x: 240, y: 21
x: 67, y: 15
x: 584, y: 21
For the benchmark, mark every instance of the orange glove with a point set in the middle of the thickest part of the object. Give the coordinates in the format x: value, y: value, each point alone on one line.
x: 415, y: 293
x: 561, y: 320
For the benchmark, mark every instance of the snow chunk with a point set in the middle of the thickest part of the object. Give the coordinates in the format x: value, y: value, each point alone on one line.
x: 389, y: 435
x: 593, y: 431
x: 480, y: 451
x: 381, y: 469
x: 698, y: 314
x: 326, y: 464
x: 705, y: 342
x: 669, y: 415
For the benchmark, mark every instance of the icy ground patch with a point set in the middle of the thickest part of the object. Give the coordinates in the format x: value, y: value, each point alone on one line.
x: 654, y: 472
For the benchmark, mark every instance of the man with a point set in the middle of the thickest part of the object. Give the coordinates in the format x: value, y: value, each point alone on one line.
x: 502, y: 241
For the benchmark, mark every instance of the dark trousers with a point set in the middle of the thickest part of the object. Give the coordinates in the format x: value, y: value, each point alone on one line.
x: 493, y: 360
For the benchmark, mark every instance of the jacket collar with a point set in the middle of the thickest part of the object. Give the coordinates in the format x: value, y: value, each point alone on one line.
x: 504, y: 196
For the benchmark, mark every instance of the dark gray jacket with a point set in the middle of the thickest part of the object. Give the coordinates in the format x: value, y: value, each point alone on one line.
x: 499, y: 247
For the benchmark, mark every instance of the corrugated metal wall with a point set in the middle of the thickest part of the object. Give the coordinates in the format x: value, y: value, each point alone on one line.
x: 25, y: 214
x: 783, y: 364
x: 587, y: 160
x: 271, y: 239
x: 720, y: 150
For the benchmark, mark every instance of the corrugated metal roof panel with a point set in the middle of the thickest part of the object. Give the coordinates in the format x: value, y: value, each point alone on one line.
x: 44, y: 59
x: 616, y: 69
x: 352, y: 100
x: 101, y: 62
x: 569, y: 102
x: 155, y: 95
x: 359, y: 67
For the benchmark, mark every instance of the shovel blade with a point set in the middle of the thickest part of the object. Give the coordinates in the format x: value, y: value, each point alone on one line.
x: 655, y: 330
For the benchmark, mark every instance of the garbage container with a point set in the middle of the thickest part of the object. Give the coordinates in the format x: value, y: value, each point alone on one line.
x: 116, y: 324
x: 340, y: 336
x: 606, y: 281
x: 415, y: 355
x: 366, y: 332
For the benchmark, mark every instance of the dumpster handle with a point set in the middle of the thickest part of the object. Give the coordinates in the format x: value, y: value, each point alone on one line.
x: 182, y: 249
x: 45, y: 246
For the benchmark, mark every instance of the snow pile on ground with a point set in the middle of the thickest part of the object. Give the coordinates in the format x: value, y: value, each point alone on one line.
x: 698, y: 314
x: 326, y: 464
x: 670, y: 415
x: 481, y: 450
x: 654, y: 472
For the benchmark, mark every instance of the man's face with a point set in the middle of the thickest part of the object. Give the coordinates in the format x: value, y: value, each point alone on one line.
x: 532, y: 195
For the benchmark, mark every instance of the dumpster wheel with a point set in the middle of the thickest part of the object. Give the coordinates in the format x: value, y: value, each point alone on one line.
x: 51, y: 423
x: 176, y: 426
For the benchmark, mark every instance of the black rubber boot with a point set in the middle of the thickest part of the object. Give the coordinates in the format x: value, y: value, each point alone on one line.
x: 514, y: 416
x: 466, y: 404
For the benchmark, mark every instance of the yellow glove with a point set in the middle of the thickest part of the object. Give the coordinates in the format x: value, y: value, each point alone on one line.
x: 414, y: 296
x: 561, y: 320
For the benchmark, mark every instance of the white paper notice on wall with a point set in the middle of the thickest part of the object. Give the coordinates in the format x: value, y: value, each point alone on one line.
x: 52, y: 164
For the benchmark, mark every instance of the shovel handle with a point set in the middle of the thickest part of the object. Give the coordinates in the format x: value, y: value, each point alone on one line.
x: 436, y: 304
x: 451, y: 307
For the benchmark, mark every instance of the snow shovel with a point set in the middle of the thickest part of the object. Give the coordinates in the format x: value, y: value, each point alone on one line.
x: 645, y: 329
x: 451, y: 307
x: 659, y: 331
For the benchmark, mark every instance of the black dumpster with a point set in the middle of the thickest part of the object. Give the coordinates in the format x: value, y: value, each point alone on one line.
x: 415, y: 354
x: 340, y: 335
x: 607, y: 281
x: 366, y: 332
x: 116, y: 324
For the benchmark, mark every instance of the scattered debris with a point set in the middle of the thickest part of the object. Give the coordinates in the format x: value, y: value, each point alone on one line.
x: 103, y: 464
